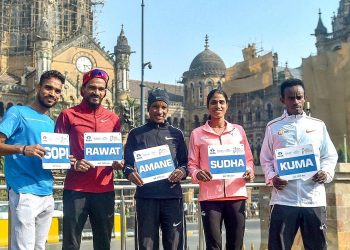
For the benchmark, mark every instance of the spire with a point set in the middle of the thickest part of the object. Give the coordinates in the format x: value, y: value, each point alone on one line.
x: 320, y: 29
x: 122, y: 43
x: 206, y: 45
x: 287, y: 73
x: 122, y: 31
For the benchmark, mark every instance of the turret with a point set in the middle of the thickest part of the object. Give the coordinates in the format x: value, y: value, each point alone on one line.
x: 121, y: 66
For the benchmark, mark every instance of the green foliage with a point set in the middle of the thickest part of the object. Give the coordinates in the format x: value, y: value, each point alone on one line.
x: 2, y: 159
x: 3, y: 193
x: 118, y: 174
x: 134, y: 113
x: 341, y: 153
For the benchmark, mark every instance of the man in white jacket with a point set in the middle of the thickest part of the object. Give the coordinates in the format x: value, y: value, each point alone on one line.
x: 297, y: 202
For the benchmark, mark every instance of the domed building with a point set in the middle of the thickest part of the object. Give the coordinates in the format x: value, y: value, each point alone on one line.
x: 207, y: 71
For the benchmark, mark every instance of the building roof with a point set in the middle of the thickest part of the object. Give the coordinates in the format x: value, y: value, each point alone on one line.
x: 9, y: 79
x: 175, y: 92
x: 122, y: 43
x: 320, y: 29
x: 206, y: 63
x: 11, y: 84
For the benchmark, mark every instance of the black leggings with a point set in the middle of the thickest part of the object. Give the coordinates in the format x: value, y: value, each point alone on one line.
x: 232, y: 213
x: 167, y: 214
x: 77, y: 207
x: 285, y: 222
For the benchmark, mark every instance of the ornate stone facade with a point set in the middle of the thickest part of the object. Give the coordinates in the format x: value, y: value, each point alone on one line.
x: 340, y: 29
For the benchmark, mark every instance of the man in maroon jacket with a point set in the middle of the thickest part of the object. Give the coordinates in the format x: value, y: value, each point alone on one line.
x: 88, y: 190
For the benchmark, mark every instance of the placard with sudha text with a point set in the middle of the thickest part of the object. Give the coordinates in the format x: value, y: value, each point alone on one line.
x: 226, y: 161
x: 57, y: 150
x: 154, y: 164
x: 297, y: 162
x: 101, y: 148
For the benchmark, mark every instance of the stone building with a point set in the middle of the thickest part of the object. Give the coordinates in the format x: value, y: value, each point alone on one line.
x: 38, y: 35
x: 207, y: 71
x: 331, y: 41
x: 326, y: 75
x: 254, y: 90
x: 252, y: 85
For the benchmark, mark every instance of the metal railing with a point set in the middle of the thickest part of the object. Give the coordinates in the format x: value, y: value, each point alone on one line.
x: 121, y: 189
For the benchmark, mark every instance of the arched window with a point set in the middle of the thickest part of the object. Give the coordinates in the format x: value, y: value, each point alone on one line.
x: 269, y: 111
x: 9, y: 105
x: 200, y: 94
x: 201, y: 88
x: 14, y: 40
x: 210, y: 85
x: 196, y: 121
x: 205, y: 118
x: 192, y: 92
x: 257, y: 115
x: 249, y: 116
x: 182, y: 124
x: 239, y: 117
x: 2, y: 109
x: 176, y: 122
x: 219, y: 84
x: 169, y: 120
x: 23, y: 42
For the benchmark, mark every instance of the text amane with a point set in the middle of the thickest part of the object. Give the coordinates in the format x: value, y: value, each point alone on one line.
x: 103, y: 151
x: 227, y: 163
x: 155, y: 165
x: 296, y: 164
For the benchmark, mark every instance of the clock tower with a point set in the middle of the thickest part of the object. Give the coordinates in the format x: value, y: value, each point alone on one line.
x: 83, y: 64
x: 121, y: 64
x: 44, y: 42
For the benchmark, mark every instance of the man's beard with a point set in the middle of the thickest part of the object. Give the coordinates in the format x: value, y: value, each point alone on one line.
x: 94, y: 105
x: 43, y: 104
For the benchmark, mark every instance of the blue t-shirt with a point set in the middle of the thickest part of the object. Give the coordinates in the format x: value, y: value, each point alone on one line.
x: 23, y: 125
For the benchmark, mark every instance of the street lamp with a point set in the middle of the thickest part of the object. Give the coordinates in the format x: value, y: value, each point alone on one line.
x: 143, y: 65
x: 308, y: 108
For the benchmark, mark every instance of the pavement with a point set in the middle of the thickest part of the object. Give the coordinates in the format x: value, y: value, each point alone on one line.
x: 252, y: 237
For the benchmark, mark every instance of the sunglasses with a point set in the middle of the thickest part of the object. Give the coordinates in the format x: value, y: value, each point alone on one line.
x: 96, y: 73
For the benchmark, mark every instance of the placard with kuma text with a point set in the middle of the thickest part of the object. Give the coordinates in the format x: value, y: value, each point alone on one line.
x: 296, y: 162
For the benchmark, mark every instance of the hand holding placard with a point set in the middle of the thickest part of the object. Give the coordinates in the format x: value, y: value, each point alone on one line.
x: 204, y: 176
x: 279, y: 183
x: 135, y: 178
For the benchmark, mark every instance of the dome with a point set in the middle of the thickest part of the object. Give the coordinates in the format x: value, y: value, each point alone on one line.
x: 207, y: 62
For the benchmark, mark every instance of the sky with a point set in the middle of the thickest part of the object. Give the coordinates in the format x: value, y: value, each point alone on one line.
x: 174, y: 31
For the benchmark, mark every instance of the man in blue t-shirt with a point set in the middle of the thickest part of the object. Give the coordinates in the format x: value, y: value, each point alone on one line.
x: 30, y: 186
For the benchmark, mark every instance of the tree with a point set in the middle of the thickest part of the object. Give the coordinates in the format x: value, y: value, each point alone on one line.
x: 341, y: 154
x: 129, y: 114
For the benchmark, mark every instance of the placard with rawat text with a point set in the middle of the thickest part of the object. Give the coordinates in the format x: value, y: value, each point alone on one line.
x: 101, y: 149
